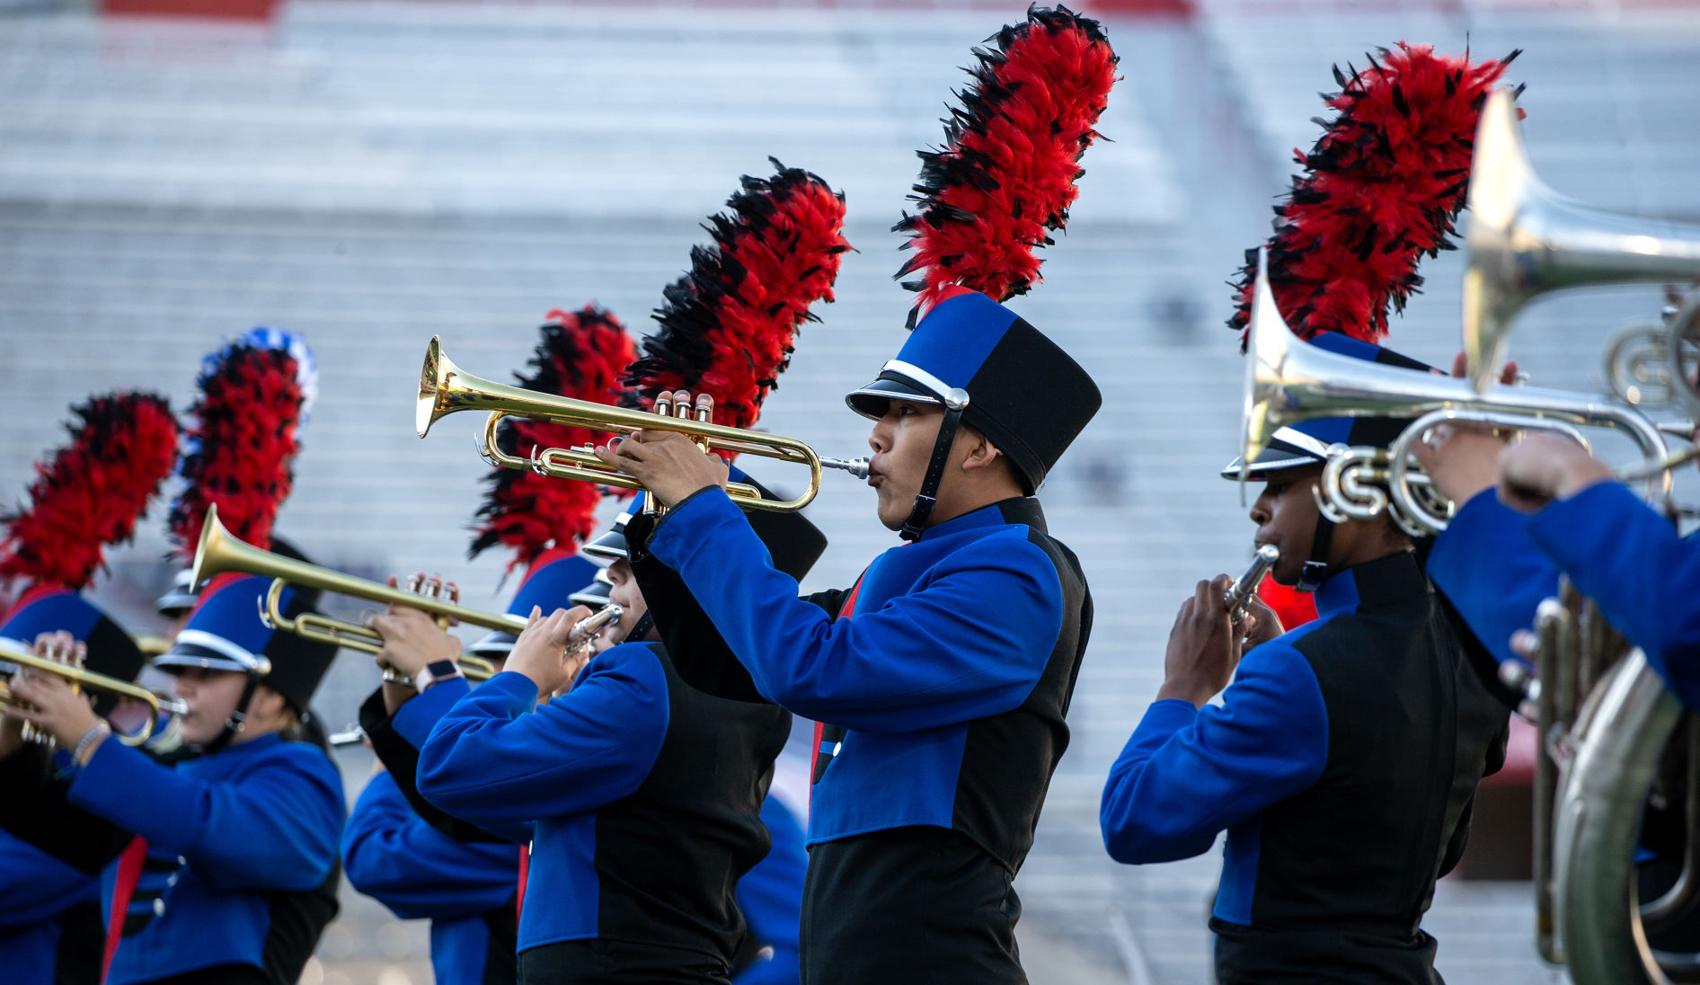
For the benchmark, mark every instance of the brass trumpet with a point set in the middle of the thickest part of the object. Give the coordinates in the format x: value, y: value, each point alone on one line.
x: 220, y: 551
x: 445, y: 388
x: 91, y: 681
x: 1525, y: 240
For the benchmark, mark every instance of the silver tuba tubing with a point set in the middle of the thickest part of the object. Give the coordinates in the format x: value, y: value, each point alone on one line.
x: 1619, y: 738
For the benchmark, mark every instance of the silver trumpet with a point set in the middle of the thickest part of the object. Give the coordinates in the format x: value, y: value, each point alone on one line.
x: 1238, y: 597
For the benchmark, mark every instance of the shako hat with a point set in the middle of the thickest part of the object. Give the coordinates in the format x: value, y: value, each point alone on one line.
x: 226, y: 631
x: 986, y: 201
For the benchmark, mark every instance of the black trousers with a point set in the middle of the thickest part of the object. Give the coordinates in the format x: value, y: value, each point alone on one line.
x: 601, y: 962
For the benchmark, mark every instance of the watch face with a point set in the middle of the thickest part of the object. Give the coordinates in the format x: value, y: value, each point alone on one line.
x: 442, y: 668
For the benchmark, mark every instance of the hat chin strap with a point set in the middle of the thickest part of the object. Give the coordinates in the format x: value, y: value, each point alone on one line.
x: 955, y: 402
x: 238, y: 719
x: 1315, y: 570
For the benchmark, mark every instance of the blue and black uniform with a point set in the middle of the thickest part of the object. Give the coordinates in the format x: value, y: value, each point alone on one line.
x: 424, y: 865
x: 1496, y: 565
x: 642, y: 798
x: 243, y: 840
x: 950, y: 682
x: 51, y: 929
x: 1342, y: 763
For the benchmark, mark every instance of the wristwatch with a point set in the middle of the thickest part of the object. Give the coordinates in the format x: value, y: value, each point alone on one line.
x: 436, y: 672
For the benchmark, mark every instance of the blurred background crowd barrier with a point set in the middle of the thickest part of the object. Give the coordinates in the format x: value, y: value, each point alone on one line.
x: 369, y: 174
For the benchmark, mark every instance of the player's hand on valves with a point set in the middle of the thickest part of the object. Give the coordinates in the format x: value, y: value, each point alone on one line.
x: 668, y: 464
x: 48, y: 701
x: 1203, y: 647
x: 412, y: 638
x: 1260, y: 624
x: 1544, y: 467
x: 1463, y: 459
x: 546, y: 652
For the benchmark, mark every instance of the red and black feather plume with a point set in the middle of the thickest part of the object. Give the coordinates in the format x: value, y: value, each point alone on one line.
x: 581, y: 355
x: 1381, y: 190
x: 728, y: 326
x: 1005, y: 178
x: 91, y: 492
x: 241, y: 447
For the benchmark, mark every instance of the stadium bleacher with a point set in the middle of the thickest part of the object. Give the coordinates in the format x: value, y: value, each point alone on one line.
x: 371, y: 174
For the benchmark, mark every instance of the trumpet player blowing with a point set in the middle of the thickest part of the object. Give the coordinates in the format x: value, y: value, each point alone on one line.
x: 941, y: 679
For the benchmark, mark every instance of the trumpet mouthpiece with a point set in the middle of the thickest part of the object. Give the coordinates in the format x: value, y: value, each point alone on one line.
x: 857, y: 467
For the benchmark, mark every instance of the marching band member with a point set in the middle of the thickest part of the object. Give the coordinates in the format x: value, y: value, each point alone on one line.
x: 1314, y: 752
x: 88, y: 495
x: 1317, y: 751
x: 944, y: 675
x: 241, y: 839
x: 642, y: 793
x: 229, y: 873
x: 400, y: 849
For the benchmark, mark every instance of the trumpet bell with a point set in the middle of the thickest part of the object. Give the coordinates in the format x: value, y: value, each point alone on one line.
x: 1523, y: 239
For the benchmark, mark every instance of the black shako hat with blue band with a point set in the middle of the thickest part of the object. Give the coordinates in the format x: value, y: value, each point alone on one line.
x: 994, y: 372
x: 1307, y: 444
x: 226, y: 632
x: 549, y: 584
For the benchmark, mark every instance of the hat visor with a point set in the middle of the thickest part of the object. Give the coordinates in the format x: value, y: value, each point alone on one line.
x: 610, y: 545
x: 496, y: 644
x: 1271, y: 461
x: 873, y: 400
x: 209, y: 651
x: 186, y: 656
x: 595, y: 595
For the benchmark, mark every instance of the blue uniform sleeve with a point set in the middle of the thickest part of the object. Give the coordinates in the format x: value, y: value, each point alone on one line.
x: 971, y: 642
x: 1187, y: 774
x: 1489, y: 568
x: 1626, y: 557
x: 416, y: 717
x: 771, y: 897
x: 276, y: 827
x: 498, y: 758
x: 36, y: 886
x: 394, y: 856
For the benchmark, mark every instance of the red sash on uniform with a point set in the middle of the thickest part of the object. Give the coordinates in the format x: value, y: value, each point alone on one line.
x: 524, y: 873
x: 130, y: 864
x: 848, y: 609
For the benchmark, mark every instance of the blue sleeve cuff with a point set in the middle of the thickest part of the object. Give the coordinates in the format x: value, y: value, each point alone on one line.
x: 1165, y: 718
x: 1481, y: 522
x: 680, y: 530
x: 1556, y: 526
x: 516, y: 687
x: 413, y: 720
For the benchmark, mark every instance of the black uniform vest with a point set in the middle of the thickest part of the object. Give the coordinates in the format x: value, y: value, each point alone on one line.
x: 1347, y: 868
x: 669, y: 856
